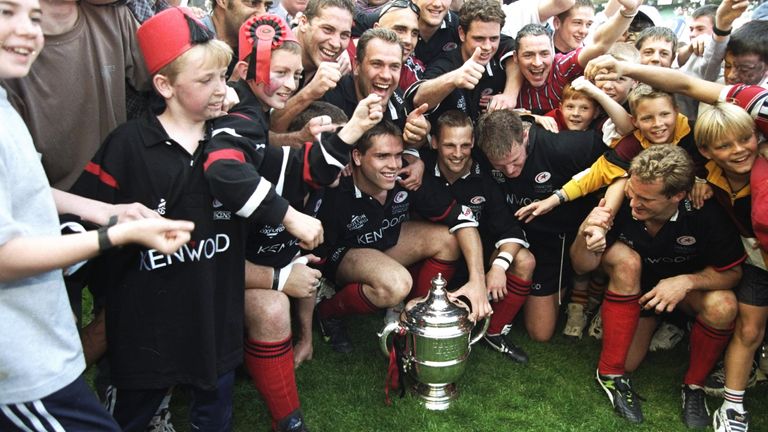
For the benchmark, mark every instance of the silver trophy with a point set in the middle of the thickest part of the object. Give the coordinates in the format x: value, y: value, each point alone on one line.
x: 437, y: 344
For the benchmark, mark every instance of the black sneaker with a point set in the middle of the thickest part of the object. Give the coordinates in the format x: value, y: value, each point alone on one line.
x: 335, y: 333
x: 730, y: 420
x: 293, y: 422
x: 695, y: 411
x: 715, y: 384
x: 510, y: 350
x: 625, y: 401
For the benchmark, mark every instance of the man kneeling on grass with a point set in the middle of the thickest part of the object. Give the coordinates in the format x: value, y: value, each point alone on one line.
x: 667, y: 255
x: 371, y: 239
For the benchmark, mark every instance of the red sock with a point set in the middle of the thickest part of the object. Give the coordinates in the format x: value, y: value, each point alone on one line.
x: 620, y: 317
x: 270, y: 365
x: 707, y: 344
x: 506, y: 310
x: 430, y: 267
x: 351, y: 300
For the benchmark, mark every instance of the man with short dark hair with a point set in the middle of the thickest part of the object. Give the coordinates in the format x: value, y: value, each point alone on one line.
x: 464, y: 78
x: 546, y: 73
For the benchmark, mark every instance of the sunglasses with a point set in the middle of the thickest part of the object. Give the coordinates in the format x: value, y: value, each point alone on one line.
x: 400, y: 4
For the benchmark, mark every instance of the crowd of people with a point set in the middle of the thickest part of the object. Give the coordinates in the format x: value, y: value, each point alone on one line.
x: 224, y: 175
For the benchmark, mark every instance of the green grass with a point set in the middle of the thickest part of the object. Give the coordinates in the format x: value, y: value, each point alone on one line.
x: 555, y: 392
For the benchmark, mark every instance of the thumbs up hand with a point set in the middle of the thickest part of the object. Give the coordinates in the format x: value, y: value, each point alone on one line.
x: 469, y: 74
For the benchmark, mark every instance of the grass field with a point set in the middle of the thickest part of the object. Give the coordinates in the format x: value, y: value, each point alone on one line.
x: 555, y: 392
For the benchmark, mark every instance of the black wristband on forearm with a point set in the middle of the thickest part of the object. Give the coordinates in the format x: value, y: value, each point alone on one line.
x: 275, y: 278
x: 104, y: 242
x: 719, y: 32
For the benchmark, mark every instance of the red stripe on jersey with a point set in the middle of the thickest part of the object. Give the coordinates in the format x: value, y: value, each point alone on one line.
x: 241, y: 116
x: 445, y: 213
x: 103, y: 176
x: 306, y: 174
x: 225, y: 154
x: 731, y: 265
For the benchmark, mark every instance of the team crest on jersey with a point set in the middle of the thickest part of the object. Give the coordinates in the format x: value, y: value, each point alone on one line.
x: 542, y: 177
x: 486, y: 92
x: 357, y: 222
x: 271, y: 231
x: 450, y: 46
x: 216, y: 203
x: 400, y: 197
x: 686, y: 240
x: 477, y: 199
x: 466, y: 214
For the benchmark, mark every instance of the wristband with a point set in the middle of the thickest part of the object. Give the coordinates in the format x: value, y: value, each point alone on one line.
x: 280, y: 275
x: 276, y: 279
x: 412, y: 151
x: 627, y: 15
x: 719, y: 32
x: 503, y: 260
x: 104, y: 242
x: 560, y: 195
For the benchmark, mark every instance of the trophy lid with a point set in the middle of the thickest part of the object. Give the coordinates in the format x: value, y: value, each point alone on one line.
x: 437, y: 316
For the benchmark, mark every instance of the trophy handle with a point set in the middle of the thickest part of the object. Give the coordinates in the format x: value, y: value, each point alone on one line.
x: 486, y: 321
x: 384, y: 336
x: 481, y: 333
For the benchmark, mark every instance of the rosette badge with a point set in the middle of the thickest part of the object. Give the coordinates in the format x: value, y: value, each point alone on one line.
x: 259, y: 36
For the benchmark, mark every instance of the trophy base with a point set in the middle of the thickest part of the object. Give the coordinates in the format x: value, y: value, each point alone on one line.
x: 435, y: 397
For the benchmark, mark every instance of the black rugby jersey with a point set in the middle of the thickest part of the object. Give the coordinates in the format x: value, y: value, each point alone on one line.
x: 690, y: 241
x: 468, y: 101
x: 354, y: 219
x: 178, y: 318
x: 478, y: 191
x: 344, y: 97
x: 242, y: 137
x: 553, y: 158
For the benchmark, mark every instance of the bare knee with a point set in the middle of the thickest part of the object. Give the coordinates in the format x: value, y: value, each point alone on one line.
x: 624, y: 267
x: 749, y: 333
x: 524, y: 264
x: 720, y: 308
x: 267, y: 313
x: 394, y: 289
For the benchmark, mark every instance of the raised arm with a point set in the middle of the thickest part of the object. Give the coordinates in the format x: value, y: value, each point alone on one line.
x: 670, y: 80
x: 608, y: 33
x: 550, y: 8
x: 433, y: 91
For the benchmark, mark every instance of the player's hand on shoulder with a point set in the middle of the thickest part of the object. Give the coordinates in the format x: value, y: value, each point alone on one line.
x: 412, y: 175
